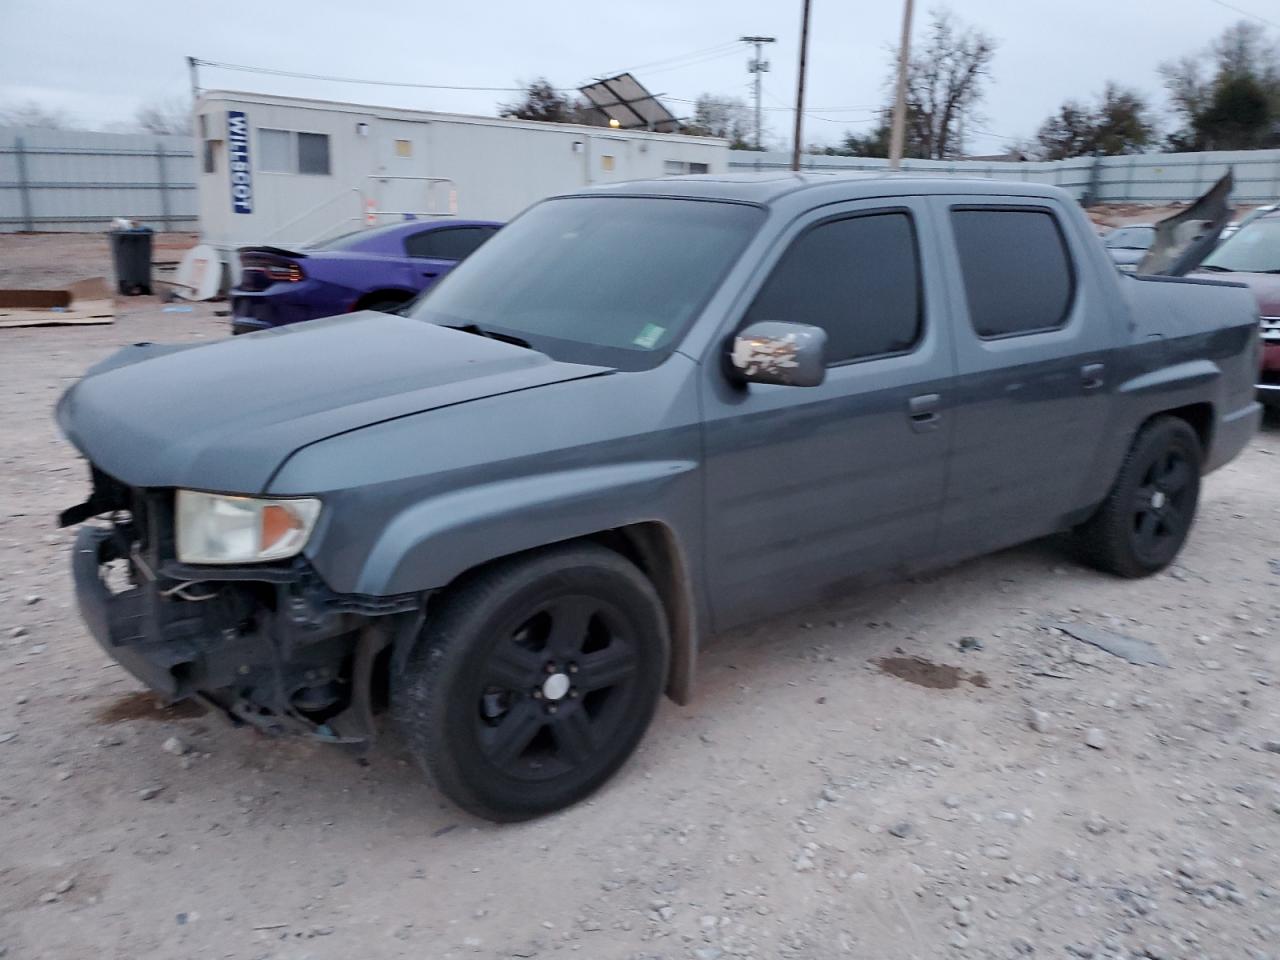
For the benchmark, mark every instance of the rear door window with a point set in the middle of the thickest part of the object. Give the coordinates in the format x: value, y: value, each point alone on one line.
x: 858, y: 278
x: 1017, y: 273
x: 452, y: 243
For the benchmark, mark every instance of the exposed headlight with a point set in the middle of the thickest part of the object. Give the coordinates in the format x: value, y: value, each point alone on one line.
x: 214, y: 528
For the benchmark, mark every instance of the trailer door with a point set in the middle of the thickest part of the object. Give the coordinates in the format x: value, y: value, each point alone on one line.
x: 610, y: 160
x: 398, y: 185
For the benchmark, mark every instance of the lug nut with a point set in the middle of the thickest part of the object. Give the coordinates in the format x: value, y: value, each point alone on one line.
x: 551, y: 708
x: 573, y: 668
x: 573, y: 694
x: 537, y: 693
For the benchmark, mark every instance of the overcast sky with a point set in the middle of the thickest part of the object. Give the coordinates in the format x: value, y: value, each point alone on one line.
x: 99, y: 60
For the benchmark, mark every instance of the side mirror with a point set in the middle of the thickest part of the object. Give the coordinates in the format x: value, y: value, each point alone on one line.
x: 787, y: 354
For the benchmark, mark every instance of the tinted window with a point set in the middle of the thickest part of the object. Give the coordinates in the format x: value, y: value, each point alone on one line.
x: 1017, y: 276
x: 454, y: 243
x: 607, y: 280
x: 858, y: 279
x: 313, y: 153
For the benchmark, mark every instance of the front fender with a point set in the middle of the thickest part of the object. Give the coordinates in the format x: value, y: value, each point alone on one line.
x: 431, y: 542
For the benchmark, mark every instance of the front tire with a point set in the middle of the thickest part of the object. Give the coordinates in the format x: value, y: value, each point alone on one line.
x: 535, y: 680
x: 1146, y: 517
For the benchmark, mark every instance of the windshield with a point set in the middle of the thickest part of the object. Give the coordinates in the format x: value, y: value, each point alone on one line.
x: 1131, y: 238
x: 604, y: 280
x: 1254, y: 248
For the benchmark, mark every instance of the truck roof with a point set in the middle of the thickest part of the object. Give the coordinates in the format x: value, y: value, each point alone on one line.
x: 769, y: 187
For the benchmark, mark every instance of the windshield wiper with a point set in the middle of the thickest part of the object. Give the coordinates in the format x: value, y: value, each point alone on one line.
x: 1215, y: 268
x: 479, y: 331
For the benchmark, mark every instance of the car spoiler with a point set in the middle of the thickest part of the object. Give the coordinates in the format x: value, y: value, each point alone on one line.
x: 278, y: 251
x: 1186, y: 238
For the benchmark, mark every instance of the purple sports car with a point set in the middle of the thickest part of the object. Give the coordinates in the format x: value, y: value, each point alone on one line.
x: 381, y: 268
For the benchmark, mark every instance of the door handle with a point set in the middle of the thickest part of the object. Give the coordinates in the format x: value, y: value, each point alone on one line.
x: 1092, y: 375
x: 923, y: 412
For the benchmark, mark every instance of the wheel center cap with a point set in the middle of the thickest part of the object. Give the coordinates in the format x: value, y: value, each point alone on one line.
x: 1157, y: 499
x: 555, y: 686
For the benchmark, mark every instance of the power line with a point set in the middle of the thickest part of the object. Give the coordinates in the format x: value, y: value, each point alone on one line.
x: 720, y: 49
x: 1243, y: 12
x: 376, y: 83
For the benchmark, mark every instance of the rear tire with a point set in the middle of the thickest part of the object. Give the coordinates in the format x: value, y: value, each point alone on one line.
x: 534, y: 680
x: 1146, y: 517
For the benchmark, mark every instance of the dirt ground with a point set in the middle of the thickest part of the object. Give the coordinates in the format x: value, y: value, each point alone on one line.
x: 921, y: 771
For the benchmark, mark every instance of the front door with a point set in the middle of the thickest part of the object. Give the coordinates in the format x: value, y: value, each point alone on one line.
x: 1032, y: 394
x: 810, y: 488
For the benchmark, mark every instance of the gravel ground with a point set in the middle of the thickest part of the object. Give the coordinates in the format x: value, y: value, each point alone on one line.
x: 824, y: 796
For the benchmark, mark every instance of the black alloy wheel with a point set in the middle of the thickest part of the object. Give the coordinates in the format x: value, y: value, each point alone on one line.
x: 534, y: 680
x: 1145, y: 519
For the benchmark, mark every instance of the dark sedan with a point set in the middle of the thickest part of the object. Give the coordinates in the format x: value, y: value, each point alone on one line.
x: 1128, y: 245
x: 381, y: 268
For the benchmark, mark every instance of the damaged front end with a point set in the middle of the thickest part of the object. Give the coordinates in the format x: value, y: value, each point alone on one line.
x: 268, y: 644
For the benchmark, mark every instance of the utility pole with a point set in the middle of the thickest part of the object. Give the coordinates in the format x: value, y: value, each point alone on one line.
x: 757, y: 66
x: 804, y: 52
x: 898, y: 133
x: 194, y: 69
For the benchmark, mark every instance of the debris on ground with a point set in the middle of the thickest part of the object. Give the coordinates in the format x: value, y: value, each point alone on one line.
x: 1136, y: 651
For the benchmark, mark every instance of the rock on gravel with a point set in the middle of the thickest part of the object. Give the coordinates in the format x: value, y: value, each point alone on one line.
x: 1039, y: 720
x: 1096, y: 739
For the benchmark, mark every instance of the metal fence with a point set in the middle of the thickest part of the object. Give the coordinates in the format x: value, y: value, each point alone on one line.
x: 1140, y: 178
x: 73, y: 180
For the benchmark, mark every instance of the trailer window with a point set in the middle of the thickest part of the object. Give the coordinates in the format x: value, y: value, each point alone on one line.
x: 275, y: 150
x: 287, y: 151
x: 313, y: 153
x: 675, y: 168
x: 211, y: 149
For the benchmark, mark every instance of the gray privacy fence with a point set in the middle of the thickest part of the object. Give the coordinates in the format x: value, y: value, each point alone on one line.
x: 1140, y: 178
x: 79, y: 181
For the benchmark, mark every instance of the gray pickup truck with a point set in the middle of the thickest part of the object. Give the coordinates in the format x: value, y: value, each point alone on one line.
x: 638, y: 415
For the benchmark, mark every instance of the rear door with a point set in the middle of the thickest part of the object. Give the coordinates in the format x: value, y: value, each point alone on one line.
x: 1033, y: 391
x: 436, y: 251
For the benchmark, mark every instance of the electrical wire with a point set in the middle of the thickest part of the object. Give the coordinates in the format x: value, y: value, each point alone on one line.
x: 723, y: 48
x: 376, y: 83
x: 1246, y: 13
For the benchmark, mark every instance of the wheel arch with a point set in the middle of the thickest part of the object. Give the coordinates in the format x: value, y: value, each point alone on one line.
x: 1199, y: 416
x: 654, y: 548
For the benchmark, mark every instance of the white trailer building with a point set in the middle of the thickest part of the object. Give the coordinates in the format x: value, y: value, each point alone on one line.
x: 286, y: 171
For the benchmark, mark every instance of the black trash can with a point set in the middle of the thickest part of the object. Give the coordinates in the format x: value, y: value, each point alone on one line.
x: 131, y: 254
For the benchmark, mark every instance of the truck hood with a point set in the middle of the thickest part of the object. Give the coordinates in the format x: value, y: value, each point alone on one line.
x: 224, y: 416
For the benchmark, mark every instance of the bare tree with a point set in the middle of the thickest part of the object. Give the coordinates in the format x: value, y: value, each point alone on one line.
x: 31, y: 114
x: 945, y: 80
x: 167, y: 116
x: 718, y: 116
x: 1235, y: 103
x: 1119, y: 123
